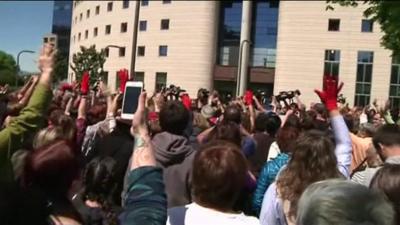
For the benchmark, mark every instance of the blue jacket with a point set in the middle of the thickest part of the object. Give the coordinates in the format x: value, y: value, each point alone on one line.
x: 266, y: 178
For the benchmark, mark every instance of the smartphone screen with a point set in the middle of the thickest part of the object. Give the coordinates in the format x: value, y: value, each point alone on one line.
x: 131, y: 98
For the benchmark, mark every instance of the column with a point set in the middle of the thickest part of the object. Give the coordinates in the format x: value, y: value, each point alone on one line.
x: 244, y: 51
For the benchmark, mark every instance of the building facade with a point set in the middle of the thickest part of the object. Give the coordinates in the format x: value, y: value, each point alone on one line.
x: 282, y: 46
x: 62, y: 14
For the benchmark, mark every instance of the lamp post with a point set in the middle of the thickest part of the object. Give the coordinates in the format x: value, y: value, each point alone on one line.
x: 19, y: 53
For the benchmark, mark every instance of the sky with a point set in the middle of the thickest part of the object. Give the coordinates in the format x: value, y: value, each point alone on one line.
x: 22, y: 26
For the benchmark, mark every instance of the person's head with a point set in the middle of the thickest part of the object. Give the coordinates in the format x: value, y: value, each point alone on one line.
x: 321, y: 111
x: 200, y: 121
x: 333, y: 202
x: 47, y: 135
x: 373, y: 159
x: 286, y: 138
x: 233, y: 113
x: 174, y: 117
x: 227, y: 131
x: 96, y: 113
x: 387, y: 181
x: 268, y: 122
x: 51, y: 168
x: 366, y: 130
x: 387, y: 141
x: 218, y: 175
x: 313, y: 159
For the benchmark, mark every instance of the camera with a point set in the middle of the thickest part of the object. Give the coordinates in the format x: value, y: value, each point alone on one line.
x: 202, y: 95
x: 283, y: 95
x: 173, y: 91
x: 261, y: 96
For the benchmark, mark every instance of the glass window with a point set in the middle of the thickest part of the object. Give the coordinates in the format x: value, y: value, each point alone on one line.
x: 76, y: 19
x: 139, y: 76
x: 142, y: 25
x: 166, y: 1
x: 124, y: 27
x: 364, y: 78
x: 106, y: 52
x: 105, y: 77
x: 161, y: 81
x: 95, y: 31
x: 108, y: 29
x: 122, y: 52
x: 163, y: 50
x: 164, y: 24
x: 97, y: 10
x: 144, y: 3
x: 80, y: 17
x: 88, y: 13
x: 334, y: 25
x: 141, y: 50
x: 109, y: 6
x: 332, y: 62
x: 394, y: 91
x: 125, y: 4
x: 86, y: 34
x: 79, y: 36
x: 367, y: 25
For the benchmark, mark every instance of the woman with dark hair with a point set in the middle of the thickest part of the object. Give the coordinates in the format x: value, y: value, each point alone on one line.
x: 227, y: 131
x: 99, y: 185
x: 387, y: 181
x: 218, y: 177
x: 50, y: 171
x: 314, y: 158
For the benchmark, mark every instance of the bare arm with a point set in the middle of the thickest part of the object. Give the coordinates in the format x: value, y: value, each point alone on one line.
x: 82, y: 108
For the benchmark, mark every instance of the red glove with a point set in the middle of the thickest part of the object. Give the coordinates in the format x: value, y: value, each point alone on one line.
x: 65, y: 86
x: 85, y: 83
x: 330, y: 92
x: 186, y: 101
x: 123, y: 78
x: 248, y: 98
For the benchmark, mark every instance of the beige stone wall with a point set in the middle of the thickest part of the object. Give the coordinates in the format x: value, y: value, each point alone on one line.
x: 303, y: 37
x: 191, y: 39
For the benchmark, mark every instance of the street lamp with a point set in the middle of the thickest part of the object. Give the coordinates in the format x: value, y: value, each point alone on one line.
x: 19, y: 53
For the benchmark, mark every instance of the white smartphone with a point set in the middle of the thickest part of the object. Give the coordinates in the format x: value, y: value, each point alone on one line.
x: 131, y: 99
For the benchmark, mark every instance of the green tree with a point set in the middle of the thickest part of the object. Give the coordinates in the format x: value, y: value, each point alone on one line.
x: 386, y: 13
x: 88, y: 59
x: 8, y: 69
x: 60, y: 67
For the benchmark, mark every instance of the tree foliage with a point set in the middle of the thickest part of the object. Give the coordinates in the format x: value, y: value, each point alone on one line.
x: 88, y: 59
x: 8, y: 69
x: 386, y: 13
x: 60, y: 67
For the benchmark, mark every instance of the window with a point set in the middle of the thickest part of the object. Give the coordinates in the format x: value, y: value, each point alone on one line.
x: 166, y: 1
x: 161, y: 81
x: 162, y: 50
x: 165, y: 24
x: 144, y: 3
x: 139, y: 76
x: 334, y: 25
x: 80, y: 17
x: 106, y: 52
x: 86, y: 34
x: 104, y: 76
x: 76, y: 19
x: 125, y: 4
x: 79, y: 36
x: 108, y: 29
x: 142, y: 25
x: 394, y: 91
x: 124, y: 27
x: 109, y: 6
x: 332, y: 61
x: 97, y: 10
x: 121, y: 52
x: 88, y: 13
x: 364, y: 78
x: 367, y: 26
x: 95, y: 31
x: 141, y: 50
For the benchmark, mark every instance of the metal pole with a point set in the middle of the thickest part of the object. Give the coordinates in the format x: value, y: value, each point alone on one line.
x: 135, y: 35
x: 17, y: 75
x: 238, y: 78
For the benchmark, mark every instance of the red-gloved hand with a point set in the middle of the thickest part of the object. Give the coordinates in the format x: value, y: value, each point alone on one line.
x: 85, y: 83
x: 248, y: 97
x: 330, y: 93
x: 186, y: 101
x: 123, y: 78
x: 65, y: 86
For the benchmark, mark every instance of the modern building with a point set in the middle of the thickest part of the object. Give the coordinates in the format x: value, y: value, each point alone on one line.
x: 62, y: 14
x: 273, y: 45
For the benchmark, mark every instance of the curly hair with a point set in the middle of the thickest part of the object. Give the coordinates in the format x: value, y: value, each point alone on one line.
x: 313, y: 159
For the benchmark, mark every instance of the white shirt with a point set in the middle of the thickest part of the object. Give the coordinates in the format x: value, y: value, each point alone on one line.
x: 273, y: 151
x: 194, y: 214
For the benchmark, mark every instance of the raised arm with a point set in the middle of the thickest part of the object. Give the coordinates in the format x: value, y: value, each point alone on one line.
x: 32, y: 117
x: 28, y: 93
x: 342, y: 136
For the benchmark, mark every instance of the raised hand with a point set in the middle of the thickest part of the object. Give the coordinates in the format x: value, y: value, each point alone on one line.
x: 46, y: 58
x: 85, y: 83
x: 123, y: 78
x: 330, y: 92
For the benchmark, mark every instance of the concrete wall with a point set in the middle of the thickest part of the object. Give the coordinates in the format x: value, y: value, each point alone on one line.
x: 303, y: 37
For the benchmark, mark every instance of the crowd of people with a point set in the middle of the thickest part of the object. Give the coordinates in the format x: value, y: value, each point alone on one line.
x: 68, y: 158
